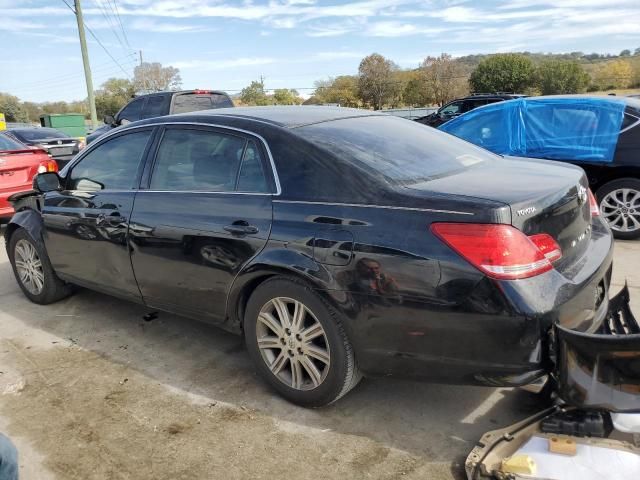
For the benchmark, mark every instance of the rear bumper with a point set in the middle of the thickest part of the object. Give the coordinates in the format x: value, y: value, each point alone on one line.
x: 602, y: 369
x: 6, y: 209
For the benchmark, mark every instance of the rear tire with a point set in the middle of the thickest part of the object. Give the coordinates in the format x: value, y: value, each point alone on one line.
x: 298, y: 344
x: 33, y: 271
x: 619, y: 202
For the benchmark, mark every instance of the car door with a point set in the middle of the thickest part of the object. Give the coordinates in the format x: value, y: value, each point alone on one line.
x: 86, y: 223
x: 206, y: 212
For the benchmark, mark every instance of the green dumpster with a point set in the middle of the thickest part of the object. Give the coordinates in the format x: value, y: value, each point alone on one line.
x: 70, y: 123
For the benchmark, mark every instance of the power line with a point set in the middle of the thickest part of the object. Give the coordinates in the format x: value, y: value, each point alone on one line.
x: 98, y: 40
x: 110, y: 21
x: 124, y: 34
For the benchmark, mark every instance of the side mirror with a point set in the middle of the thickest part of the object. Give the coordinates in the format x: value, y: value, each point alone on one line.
x: 109, y: 120
x: 47, y: 182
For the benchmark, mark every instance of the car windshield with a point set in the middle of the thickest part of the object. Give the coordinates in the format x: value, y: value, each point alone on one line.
x: 40, y: 134
x: 7, y: 144
x: 403, y: 151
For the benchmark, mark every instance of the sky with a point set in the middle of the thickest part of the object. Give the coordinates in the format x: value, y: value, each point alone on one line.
x: 225, y: 44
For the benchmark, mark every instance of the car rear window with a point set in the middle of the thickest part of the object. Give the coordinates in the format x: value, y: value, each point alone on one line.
x: 40, y: 134
x: 7, y: 144
x: 192, y: 102
x: 402, y: 151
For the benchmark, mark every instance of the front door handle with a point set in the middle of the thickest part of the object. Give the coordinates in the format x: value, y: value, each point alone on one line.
x: 240, y: 228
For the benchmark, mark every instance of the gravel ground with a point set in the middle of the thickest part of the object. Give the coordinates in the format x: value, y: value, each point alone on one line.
x: 90, y: 390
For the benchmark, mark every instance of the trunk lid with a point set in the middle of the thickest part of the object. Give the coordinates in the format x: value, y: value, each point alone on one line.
x: 17, y: 168
x: 543, y: 196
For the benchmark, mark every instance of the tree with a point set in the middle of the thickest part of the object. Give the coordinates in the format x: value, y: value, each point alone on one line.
x: 285, y: 96
x: 375, y: 80
x: 613, y: 74
x: 33, y: 110
x: 625, y: 53
x: 342, y: 90
x: 153, y: 77
x: 561, y: 76
x: 505, y: 72
x: 254, y: 94
x: 636, y: 51
x: 444, y: 78
x: 416, y: 91
x: 12, y: 108
x: 114, y: 94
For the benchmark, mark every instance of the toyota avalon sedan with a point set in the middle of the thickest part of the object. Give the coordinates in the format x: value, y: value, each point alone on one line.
x: 342, y: 243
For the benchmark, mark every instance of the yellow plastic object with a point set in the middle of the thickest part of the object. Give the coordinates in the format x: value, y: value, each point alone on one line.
x: 3, y: 123
x: 519, y: 464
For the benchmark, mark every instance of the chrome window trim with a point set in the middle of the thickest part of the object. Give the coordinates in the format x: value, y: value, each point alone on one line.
x: 633, y: 125
x: 362, y: 205
x: 115, y: 131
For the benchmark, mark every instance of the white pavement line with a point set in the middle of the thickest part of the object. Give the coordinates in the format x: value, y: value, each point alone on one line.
x: 484, y: 407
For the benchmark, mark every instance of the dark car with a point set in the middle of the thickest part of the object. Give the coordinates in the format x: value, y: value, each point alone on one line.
x: 600, y: 134
x: 340, y: 243
x: 462, y: 105
x: 160, y: 104
x: 59, y: 145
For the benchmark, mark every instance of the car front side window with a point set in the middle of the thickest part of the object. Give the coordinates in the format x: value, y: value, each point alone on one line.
x: 132, y: 112
x: 112, y: 165
x: 451, y: 109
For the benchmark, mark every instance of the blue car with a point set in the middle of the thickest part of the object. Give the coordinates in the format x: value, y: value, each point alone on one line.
x: 600, y: 134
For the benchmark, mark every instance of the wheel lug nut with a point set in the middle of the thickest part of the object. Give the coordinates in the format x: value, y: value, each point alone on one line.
x: 300, y: 351
x: 298, y: 337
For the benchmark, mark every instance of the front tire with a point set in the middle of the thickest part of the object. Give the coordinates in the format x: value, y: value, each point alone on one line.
x: 33, y: 271
x: 619, y: 203
x: 298, y: 343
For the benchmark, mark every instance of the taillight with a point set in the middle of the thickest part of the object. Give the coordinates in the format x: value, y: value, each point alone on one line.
x: 547, y: 245
x: 500, y: 251
x: 201, y: 92
x: 593, y: 204
x: 48, y: 166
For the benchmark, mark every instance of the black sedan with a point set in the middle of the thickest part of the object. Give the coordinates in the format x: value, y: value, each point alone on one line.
x: 59, y: 145
x: 340, y: 243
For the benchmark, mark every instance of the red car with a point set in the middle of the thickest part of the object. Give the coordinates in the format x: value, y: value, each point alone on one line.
x: 18, y: 165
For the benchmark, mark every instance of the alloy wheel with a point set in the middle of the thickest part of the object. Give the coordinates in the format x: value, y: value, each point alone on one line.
x: 621, y: 209
x: 29, y: 267
x: 293, y: 343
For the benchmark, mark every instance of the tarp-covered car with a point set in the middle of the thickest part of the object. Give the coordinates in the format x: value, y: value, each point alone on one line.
x: 600, y: 134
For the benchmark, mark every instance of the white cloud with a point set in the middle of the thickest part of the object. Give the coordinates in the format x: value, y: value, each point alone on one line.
x: 148, y: 25
x: 19, y: 25
x: 222, y: 64
x: 323, y: 56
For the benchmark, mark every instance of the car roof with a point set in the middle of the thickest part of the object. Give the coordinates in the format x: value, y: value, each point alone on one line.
x: 283, y: 116
x: 181, y: 92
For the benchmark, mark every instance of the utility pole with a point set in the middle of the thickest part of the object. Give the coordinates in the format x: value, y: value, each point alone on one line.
x: 85, y: 62
x: 144, y: 83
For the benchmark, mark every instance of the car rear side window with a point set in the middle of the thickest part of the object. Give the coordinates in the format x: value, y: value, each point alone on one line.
x: 197, y: 160
x: 156, y: 106
x: 192, y: 102
x: 112, y: 165
x: 401, y: 151
x: 252, y: 177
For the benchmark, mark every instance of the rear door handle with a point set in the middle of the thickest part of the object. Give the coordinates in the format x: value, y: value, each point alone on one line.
x: 241, y: 227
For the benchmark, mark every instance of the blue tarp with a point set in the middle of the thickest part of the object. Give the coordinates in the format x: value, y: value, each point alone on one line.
x: 557, y: 128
